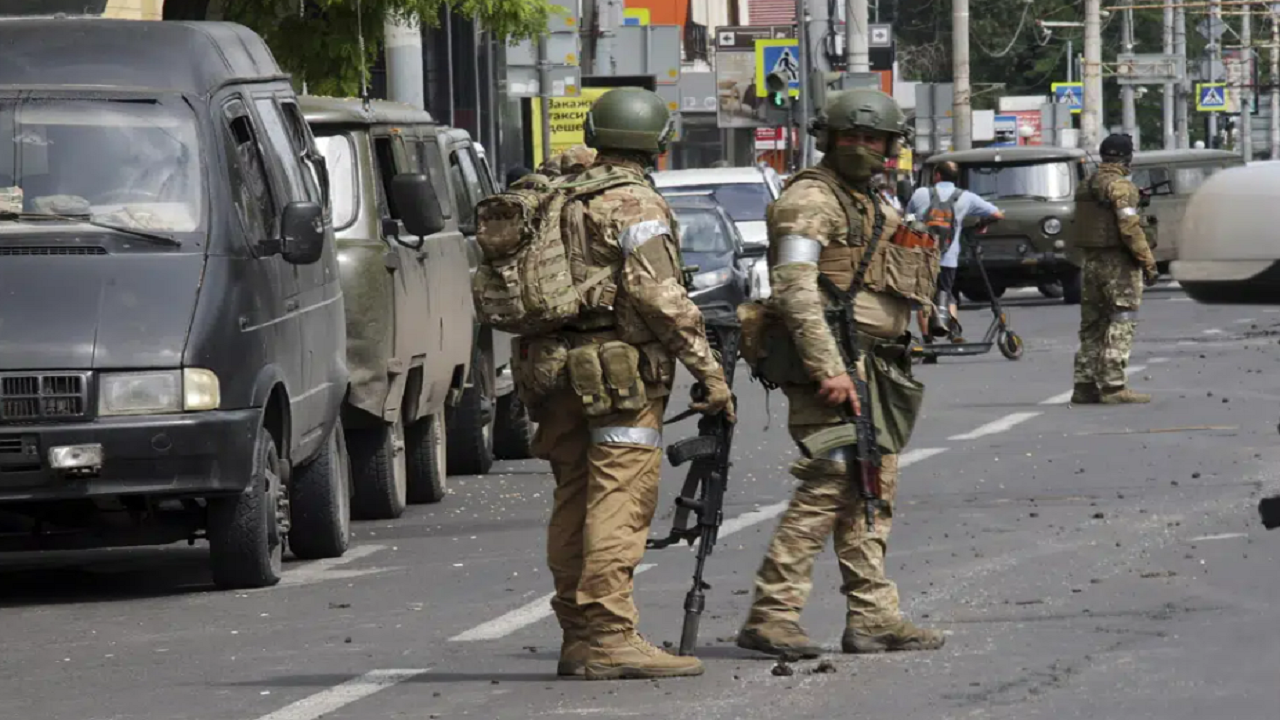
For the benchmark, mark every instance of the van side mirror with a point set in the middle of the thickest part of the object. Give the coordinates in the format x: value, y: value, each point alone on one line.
x: 301, y: 234
x: 416, y: 201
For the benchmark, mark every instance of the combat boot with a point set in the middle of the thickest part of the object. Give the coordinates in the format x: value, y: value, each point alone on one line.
x: 573, y: 654
x: 624, y: 655
x: 782, y: 637
x: 898, y: 637
x: 1086, y: 394
x: 1123, y: 396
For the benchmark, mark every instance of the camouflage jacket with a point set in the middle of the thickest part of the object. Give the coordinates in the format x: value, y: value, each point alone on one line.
x: 1109, y: 215
x: 808, y: 209
x: 633, y: 225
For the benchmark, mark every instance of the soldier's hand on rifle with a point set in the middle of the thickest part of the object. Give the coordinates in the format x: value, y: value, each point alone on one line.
x: 839, y: 390
x: 715, y: 397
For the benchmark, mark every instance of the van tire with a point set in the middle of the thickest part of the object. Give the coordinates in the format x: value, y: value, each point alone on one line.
x: 1071, y: 287
x: 471, y: 422
x: 320, y: 502
x: 378, y: 472
x: 427, y: 445
x: 513, y: 433
x: 246, y: 540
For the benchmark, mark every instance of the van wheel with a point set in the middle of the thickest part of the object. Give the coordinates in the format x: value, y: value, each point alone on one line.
x: 1050, y: 289
x: 471, y: 422
x: 513, y: 434
x: 378, y: 472
x: 320, y: 502
x: 426, y: 445
x: 247, y: 531
x: 1071, y: 287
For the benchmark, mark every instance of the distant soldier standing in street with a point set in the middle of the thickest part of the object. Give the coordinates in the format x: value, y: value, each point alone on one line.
x: 1117, y: 262
x: 605, y: 380
x: 830, y: 223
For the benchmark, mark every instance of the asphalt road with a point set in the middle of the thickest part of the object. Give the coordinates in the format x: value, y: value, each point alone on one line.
x: 1085, y: 562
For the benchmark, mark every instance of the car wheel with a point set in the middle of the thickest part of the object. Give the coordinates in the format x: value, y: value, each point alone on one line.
x: 1050, y: 289
x: 471, y: 422
x: 427, y: 459
x: 320, y: 502
x: 379, y: 473
x: 247, y: 531
x: 513, y: 434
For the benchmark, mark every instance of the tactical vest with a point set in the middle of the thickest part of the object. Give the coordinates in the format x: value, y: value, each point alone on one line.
x: 1096, y: 225
x: 905, y: 262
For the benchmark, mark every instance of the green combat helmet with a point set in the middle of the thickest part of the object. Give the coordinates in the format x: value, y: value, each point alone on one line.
x: 629, y: 119
x: 863, y: 108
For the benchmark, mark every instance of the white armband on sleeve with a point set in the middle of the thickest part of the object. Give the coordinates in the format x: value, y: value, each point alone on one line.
x: 798, y: 249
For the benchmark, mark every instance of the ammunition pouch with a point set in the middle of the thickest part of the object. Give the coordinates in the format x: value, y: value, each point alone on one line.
x: 768, y: 348
x: 537, y: 365
x: 896, y: 396
x: 586, y: 377
x: 621, y: 365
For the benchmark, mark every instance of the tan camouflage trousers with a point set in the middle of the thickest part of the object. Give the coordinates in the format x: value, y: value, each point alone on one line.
x: 827, y: 504
x: 607, y: 472
x: 1110, y: 295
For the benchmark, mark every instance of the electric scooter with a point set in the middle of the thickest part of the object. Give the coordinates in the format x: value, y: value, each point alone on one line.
x: 998, y: 333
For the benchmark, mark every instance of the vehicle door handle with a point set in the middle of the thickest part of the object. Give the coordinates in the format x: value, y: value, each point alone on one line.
x: 291, y: 304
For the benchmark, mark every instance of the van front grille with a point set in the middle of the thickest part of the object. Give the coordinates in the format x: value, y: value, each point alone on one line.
x: 27, y: 397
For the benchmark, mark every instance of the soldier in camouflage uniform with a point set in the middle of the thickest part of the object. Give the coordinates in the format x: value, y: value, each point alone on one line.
x: 1116, y: 262
x: 810, y: 233
x: 607, y: 467
x: 568, y: 162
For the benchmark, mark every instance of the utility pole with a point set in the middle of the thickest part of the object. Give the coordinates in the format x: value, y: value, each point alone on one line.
x: 404, y: 61
x: 544, y: 97
x: 1091, y: 115
x: 857, y: 39
x: 1275, y: 86
x: 1215, y: 58
x: 961, y: 115
x: 1245, y: 127
x: 806, y: 73
x: 1128, y: 111
x: 1184, y: 87
x: 1166, y: 126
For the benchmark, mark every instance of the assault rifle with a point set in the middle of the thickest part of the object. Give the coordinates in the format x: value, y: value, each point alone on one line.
x: 858, y: 430
x: 704, y: 486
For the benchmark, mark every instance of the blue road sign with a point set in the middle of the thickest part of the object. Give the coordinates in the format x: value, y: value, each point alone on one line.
x: 781, y: 56
x: 1070, y: 94
x: 1211, y: 97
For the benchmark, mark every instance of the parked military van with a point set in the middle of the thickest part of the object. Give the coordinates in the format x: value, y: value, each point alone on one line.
x: 1034, y: 187
x: 173, y: 354
x: 409, y: 317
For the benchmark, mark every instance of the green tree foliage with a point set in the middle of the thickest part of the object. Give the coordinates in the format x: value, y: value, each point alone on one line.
x: 318, y: 40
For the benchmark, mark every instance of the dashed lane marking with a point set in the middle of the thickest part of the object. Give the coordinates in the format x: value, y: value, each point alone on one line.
x: 996, y: 426
x: 326, y: 701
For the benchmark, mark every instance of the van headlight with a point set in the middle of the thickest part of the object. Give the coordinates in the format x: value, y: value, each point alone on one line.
x: 714, y: 278
x: 153, y: 392
x: 1051, y: 226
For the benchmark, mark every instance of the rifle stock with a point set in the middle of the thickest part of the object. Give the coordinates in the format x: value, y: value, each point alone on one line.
x: 707, y: 454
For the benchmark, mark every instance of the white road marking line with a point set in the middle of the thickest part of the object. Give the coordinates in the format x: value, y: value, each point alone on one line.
x: 540, y: 608
x: 319, y: 570
x: 326, y: 701
x: 1065, y: 397
x: 1156, y: 361
x: 1242, y: 321
x: 521, y: 617
x: 1214, y: 331
x: 996, y: 426
x: 1222, y: 536
x: 1180, y: 299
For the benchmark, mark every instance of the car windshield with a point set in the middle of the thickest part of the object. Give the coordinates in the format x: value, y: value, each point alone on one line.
x: 340, y: 156
x: 745, y: 202
x: 702, y: 231
x: 133, y: 164
x: 1042, y: 180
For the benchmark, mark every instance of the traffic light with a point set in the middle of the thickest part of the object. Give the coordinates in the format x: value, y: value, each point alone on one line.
x: 779, y: 91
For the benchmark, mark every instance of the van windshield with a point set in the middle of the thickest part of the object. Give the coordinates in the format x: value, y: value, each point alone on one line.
x: 131, y: 164
x: 340, y: 157
x: 1043, y: 181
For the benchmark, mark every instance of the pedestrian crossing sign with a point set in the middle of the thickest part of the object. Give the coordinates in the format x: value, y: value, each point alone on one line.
x: 1070, y: 94
x: 1211, y: 97
x: 780, y: 56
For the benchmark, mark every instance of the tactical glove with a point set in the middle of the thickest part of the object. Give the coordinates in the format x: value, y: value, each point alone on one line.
x: 1149, y: 274
x: 716, y: 398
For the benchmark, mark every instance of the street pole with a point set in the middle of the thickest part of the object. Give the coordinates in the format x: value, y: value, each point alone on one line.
x: 1091, y: 115
x: 1170, y: 136
x: 544, y: 97
x: 404, y: 61
x: 1245, y: 127
x: 1071, y: 61
x: 1128, y: 111
x: 962, y: 117
x: 1184, y: 86
x: 858, y: 52
x: 1275, y: 86
x: 806, y: 70
x: 1215, y: 57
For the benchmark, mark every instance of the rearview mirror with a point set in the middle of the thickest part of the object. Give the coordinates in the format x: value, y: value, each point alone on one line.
x: 301, y: 233
x: 754, y: 250
x: 416, y: 201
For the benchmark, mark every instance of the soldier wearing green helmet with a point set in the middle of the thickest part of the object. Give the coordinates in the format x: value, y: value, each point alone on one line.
x: 831, y: 234
x: 609, y: 374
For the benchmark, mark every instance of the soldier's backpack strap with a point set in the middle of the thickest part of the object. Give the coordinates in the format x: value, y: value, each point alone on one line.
x: 843, y: 195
